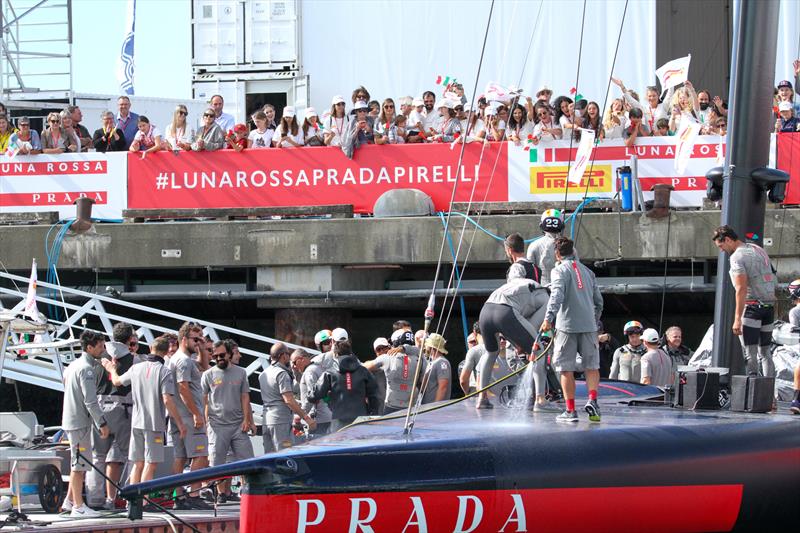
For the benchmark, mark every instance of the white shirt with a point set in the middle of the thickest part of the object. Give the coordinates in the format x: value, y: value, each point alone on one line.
x: 521, y: 132
x: 261, y: 140
x: 477, y: 128
x: 537, y: 131
x: 183, y: 135
x: 431, y: 121
x: 140, y: 136
x: 225, y: 121
x: 337, y: 126
x: 284, y: 143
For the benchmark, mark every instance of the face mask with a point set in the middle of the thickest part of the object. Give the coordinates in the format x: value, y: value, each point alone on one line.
x: 703, y: 106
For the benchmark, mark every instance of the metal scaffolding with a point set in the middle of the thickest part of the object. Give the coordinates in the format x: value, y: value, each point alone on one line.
x: 35, y: 47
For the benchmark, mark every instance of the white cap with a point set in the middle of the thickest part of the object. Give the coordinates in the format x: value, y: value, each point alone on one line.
x: 360, y: 104
x: 785, y: 106
x: 380, y: 341
x: 441, y: 103
x: 417, y: 102
x: 339, y: 334
x: 650, y: 335
x: 338, y: 99
x: 311, y: 112
x: 288, y: 111
x: 490, y: 111
x: 544, y: 88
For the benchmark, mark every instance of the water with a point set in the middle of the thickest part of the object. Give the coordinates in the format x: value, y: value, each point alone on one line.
x: 523, y: 394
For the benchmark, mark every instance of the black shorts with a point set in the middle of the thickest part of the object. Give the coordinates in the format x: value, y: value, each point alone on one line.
x: 757, y: 324
x: 501, y: 319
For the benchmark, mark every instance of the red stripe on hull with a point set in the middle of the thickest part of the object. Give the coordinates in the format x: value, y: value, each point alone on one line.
x: 617, y: 509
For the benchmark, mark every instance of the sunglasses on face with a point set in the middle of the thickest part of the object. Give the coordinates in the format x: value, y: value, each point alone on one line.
x: 184, y: 113
x: 53, y: 121
x: 208, y: 115
x: 388, y: 107
x: 220, y: 354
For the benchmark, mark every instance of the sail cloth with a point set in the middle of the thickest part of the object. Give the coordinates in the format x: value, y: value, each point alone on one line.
x: 125, y: 66
x: 674, y: 72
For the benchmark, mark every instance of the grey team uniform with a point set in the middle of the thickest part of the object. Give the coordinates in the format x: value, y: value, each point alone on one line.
x: 576, y: 305
x: 400, y: 370
x: 794, y: 316
x: 759, y: 311
x: 274, y: 382
x: 542, y: 253
x: 225, y: 416
x: 627, y: 363
x: 184, y: 370
x: 81, y: 408
x: 149, y: 382
x: 657, y: 365
x: 438, y: 368
x: 319, y: 411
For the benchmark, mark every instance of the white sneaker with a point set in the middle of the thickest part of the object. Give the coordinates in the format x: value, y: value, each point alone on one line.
x: 83, y: 512
x: 66, y: 506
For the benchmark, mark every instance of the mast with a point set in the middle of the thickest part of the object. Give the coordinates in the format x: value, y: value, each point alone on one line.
x: 755, y: 30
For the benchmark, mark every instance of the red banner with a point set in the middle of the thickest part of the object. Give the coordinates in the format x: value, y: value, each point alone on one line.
x: 315, y: 176
x: 788, y: 160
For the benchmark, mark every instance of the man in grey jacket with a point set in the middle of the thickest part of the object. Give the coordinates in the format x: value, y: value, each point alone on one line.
x: 575, y: 304
x: 80, y: 412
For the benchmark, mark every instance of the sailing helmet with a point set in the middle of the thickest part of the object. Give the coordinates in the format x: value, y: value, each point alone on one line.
x: 323, y: 335
x: 552, y: 221
x: 794, y: 289
x: 634, y: 326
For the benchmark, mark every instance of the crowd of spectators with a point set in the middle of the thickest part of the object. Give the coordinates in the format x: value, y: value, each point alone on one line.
x: 516, y: 117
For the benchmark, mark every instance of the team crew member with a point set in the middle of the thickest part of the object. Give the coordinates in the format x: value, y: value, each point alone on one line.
x: 673, y: 346
x: 626, y: 364
x: 81, y: 411
x: 400, y: 370
x: 576, y: 303
x: 310, y: 373
x: 514, y: 247
x: 279, y: 401
x: 152, y: 388
x: 472, y: 359
x: 515, y: 310
x: 656, y: 365
x: 794, y: 294
x: 754, y: 280
x: 189, y: 398
x: 436, y: 384
x: 350, y: 387
x: 541, y: 252
x: 230, y: 417
x: 117, y: 405
x: 324, y: 341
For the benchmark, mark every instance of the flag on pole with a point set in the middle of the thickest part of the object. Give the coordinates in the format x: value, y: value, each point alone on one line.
x: 12, y: 149
x: 674, y: 72
x: 495, y: 91
x: 582, y: 157
x: 31, y: 311
x: 688, y: 130
x: 125, y: 66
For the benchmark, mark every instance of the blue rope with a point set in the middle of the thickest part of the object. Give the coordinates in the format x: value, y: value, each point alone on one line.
x: 458, y: 276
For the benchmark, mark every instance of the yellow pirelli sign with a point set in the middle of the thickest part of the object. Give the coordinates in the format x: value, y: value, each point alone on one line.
x: 548, y: 180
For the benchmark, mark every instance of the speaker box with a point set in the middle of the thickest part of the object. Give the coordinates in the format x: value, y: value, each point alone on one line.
x: 752, y: 393
x: 701, y: 390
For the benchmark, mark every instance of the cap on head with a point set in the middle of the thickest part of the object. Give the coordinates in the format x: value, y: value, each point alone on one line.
x: 381, y: 342
x: 322, y: 336
x: 288, y: 111
x: 634, y: 326
x: 360, y: 104
x: 338, y: 99
x: 436, y: 342
x: 785, y: 106
x: 650, y: 336
x: 339, y: 334
x: 785, y: 83
x: 311, y: 112
x: 240, y: 128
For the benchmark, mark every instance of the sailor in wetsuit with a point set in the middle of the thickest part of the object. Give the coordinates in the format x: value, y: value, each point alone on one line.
x: 626, y: 364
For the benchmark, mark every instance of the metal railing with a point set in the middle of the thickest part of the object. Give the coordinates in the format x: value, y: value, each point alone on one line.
x: 42, y: 362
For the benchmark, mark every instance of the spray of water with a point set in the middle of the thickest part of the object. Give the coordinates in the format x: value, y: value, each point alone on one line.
x: 523, y: 394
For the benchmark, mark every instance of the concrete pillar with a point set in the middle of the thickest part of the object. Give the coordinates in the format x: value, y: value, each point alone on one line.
x: 299, y: 325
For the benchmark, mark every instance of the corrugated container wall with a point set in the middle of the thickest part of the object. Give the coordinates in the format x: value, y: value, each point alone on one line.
x: 245, y: 35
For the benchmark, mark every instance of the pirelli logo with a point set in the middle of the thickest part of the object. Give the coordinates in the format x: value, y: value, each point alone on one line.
x: 546, y: 180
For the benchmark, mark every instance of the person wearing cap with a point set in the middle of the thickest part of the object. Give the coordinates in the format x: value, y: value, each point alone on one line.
x: 310, y: 372
x: 225, y: 121
x: 576, y: 300
x: 312, y: 129
x: 279, y: 403
x: 399, y: 370
x: 406, y: 104
x: 152, y: 389
x: 656, y: 365
x: 237, y: 138
x: 349, y: 388
x: 288, y: 133
x: 472, y: 126
x: 626, y: 363
x: 514, y: 246
x: 436, y: 382
x: 541, y: 252
x: 544, y: 94
x: 415, y: 129
x: 385, y: 128
x: 495, y: 127
x: 25, y: 138
x: 785, y: 94
x: 448, y: 128
x: 337, y: 124
x: 327, y: 360
x: 514, y: 310
x: 116, y: 402
x: 787, y: 122
x: 210, y: 136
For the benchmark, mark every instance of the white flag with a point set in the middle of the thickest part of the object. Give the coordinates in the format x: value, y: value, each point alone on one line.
x: 125, y: 66
x: 674, y: 72
x: 687, y: 133
x: 495, y: 91
x: 31, y: 311
x: 582, y: 157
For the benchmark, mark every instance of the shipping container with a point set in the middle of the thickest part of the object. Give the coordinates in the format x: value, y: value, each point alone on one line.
x: 245, y: 35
